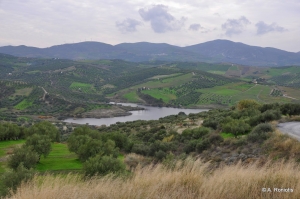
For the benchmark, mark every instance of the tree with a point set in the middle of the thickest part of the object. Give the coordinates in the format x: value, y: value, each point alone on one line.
x: 247, y: 103
x: 44, y: 128
x: 74, y: 142
x: 23, y: 155
x: 236, y: 127
x: 102, y: 165
x: 12, y: 179
x: 90, y: 149
x: 41, y: 144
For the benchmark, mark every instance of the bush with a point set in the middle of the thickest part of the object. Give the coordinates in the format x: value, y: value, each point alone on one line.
x: 260, y: 132
x: 200, y: 132
x: 40, y: 144
x: 160, y: 154
x: 141, y: 149
x: 12, y: 179
x: 202, y: 145
x: 247, y: 103
x: 215, y: 138
x: 102, y: 165
x: 190, y: 146
x: 212, y: 123
x: 25, y: 156
x: 44, y: 128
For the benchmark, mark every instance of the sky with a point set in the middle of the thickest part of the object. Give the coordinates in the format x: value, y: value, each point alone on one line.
x: 44, y: 23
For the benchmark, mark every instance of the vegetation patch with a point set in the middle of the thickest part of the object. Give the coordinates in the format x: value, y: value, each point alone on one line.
x: 24, y: 104
x: 6, y: 147
x: 227, y: 135
x: 131, y: 96
x: 60, y: 158
x: 83, y: 87
x: 165, y: 94
x: 24, y: 91
x: 217, y: 72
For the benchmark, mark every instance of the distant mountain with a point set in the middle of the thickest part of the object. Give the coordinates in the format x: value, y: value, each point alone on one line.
x: 240, y: 53
x: 212, y: 51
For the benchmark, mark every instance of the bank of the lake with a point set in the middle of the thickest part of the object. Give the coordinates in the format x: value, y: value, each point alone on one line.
x: 150, y: 113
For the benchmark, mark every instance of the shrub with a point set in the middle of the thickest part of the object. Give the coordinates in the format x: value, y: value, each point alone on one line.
x: 215, y: 138
x: 247, y: 103
x: 44, y: 128
x: 12, y: 179
x: 141, y: 149
x: 200, y: 132
x: 41, y: 144
x: 260, y: 132
x: 160, y: 155
x: 102, y: 165
x: 212, y: 123
x: 25, y: 156
x: 202, y: 145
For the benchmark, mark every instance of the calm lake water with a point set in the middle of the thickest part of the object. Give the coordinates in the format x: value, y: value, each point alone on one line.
x: 150, y: 113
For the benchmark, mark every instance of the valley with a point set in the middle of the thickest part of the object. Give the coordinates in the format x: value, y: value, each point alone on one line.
x: 61, y: 116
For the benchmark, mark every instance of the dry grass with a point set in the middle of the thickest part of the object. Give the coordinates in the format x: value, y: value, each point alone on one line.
x: 283, y: 146
x: 190, y: 179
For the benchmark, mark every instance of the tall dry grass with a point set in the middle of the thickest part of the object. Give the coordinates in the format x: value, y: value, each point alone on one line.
x: 191, y: 179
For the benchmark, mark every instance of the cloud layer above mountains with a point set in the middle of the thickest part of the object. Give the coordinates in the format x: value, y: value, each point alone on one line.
x: 43, y: 23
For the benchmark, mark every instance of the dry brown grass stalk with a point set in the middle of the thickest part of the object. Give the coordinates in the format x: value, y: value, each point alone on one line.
x: 190, y: 179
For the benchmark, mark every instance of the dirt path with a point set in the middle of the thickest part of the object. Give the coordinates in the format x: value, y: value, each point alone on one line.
x: 290, y: 128
x: 45, y: 93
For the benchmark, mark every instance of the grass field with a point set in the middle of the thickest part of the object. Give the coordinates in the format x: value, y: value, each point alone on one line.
x: 23, y: 105
x: 86, y: 88
x: 23, y: 91
x: 282, y: 70
x: 190, y: 179
x: 217, y: 72
x: 59, y: 159
x: 7, y: 147
x: 131, y: 96
x: 165, y: 94
x: 227, y: 135
x: 230, y: 94
x: 164, y: 76
x: 163, y: 83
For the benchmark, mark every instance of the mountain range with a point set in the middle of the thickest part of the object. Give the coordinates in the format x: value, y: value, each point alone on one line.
x: 215, y: 51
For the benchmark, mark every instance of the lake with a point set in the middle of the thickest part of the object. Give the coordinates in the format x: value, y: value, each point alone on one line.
x: 150, y: 113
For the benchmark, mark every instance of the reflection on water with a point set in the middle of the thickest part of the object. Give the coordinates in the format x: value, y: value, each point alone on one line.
x: 150, y: 113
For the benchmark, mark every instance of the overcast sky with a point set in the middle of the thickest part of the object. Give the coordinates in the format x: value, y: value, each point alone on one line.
x: 43, y: 23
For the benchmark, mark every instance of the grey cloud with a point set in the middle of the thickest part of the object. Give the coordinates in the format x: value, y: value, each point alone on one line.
x: 160, y: 19
x: 128, y: 25
x: 263, y: 28
x: 195, y: 27
x: 235, y: 26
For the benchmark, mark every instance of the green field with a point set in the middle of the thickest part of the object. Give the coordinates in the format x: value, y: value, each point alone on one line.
x: 86, y: 88
x: 165, y: 94
x: 131, y: 96
x: 23, y: 91
x: 165, y: 76
x: 217, y: 72
x: 282, y: 70
x: 7, y: 147
x: 234, y: 68
x: 59, y: 159
x: 23, y: 105
x: 227, y: 135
